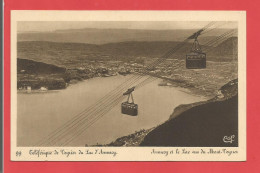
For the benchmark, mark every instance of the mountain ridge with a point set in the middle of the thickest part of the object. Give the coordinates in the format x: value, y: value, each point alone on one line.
x: 61, y: 53
x: 101, y: 36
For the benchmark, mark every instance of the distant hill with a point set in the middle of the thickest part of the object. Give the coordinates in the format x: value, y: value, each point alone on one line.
x: 65, y: 53
x: 103, y: 36
x: 25, y: 66
x: 228, y: 47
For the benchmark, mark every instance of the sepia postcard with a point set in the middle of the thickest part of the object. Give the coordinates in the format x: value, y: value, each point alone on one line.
x: 128, y: 85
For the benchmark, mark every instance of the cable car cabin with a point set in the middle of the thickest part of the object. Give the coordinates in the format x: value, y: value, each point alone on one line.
x: 196, y: 60
x: 129, y: 108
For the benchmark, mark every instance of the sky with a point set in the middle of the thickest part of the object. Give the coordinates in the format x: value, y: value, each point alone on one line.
x: 49, y: 26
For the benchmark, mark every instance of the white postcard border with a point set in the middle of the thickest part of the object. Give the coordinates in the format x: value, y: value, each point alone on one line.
x: 130, y: 153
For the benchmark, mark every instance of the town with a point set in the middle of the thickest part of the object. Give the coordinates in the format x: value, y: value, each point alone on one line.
x: 172, y: 71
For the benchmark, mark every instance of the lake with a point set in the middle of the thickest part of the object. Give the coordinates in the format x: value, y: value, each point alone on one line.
x: 40, y: 113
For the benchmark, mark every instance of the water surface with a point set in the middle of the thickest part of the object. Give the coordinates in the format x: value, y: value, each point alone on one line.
x: 39, y: 114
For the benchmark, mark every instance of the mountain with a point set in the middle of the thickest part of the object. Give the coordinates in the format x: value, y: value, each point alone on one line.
x: 103, y: 36
x: 204, y: 124
x: 37, y: 75
x: 227, y: 47
x: 72, y: 53
x: 25, y: 66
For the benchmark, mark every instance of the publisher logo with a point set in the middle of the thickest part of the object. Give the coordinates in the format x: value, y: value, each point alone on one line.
x: 229, y: 139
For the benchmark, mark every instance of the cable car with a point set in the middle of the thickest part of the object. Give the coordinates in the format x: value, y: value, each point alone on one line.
x: 196, y: 59
x: 129, y: 108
